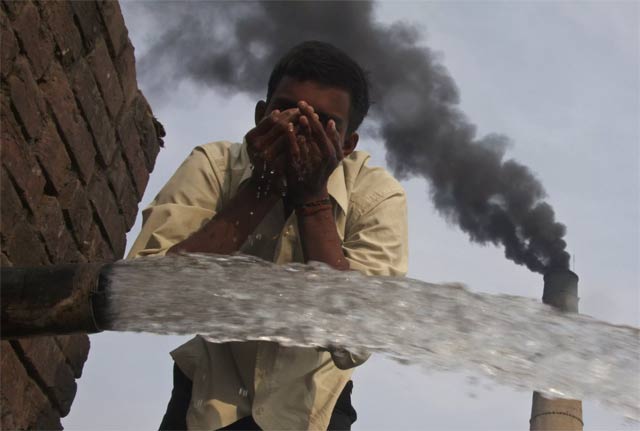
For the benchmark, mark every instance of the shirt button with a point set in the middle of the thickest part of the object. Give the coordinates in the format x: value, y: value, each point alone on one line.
x: 198, y: 403
x: 243, y: 392
x: 204, y: 377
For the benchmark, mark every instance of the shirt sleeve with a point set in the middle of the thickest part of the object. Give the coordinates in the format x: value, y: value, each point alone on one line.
x: 188, y: 200
x: 376, y: 243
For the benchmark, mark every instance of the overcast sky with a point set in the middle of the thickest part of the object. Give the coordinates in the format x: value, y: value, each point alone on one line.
x: 562, y: 80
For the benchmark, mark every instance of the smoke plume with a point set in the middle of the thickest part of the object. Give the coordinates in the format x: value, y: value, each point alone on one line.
x: 233, y: 47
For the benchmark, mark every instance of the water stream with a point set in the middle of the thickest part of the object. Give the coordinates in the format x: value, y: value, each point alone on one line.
x: 513, y: 340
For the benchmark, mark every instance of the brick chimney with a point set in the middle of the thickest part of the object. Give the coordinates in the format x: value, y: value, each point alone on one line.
x: 78, y: 143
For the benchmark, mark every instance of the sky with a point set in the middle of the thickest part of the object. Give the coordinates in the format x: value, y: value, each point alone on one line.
x: 562, y: 80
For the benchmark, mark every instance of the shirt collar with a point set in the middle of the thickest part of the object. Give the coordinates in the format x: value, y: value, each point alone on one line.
x: 335, y: 185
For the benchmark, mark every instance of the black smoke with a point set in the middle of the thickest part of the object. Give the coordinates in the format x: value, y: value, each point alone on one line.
x: 233, y: 47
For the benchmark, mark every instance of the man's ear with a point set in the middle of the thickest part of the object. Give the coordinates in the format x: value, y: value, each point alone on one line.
x: 261, y: 108
x: 350, y: 144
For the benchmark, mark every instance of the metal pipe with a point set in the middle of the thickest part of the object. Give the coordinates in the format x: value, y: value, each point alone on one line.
x: 53, y: 300
x: 561, y: 292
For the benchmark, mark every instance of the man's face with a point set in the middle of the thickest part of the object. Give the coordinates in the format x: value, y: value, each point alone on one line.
x: 330, y: 103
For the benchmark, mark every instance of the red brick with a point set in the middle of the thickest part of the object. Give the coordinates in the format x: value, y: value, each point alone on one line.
x: 11, y: 208
x: 35, y: 40
x: 69, y: 120
x: 126, y: 67
x: 150, y: 129
x: 103, y: 252
x: 73, y: 255
x: 124, y: 190
x: 97, y: 248
x: 53, y: 157
x: 59, y: 16
x: 4, y: 261
x: 14, y: 8
x: 26, y: 98
x: 52, y: 227
x: 113, y: 20
x: 8, y: 45
x: 86, y: 91
x: 107, y: 209
x: 23, y: 404
x: 106, y: 77
x: 76, y: 207
x: 25, y: 248
x: 134, y: 156
x: 76, y: 349
x: 24, y: 171
x: 89, y: 20
x: 45, y: 357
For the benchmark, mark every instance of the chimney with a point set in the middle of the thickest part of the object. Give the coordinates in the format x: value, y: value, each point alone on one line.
x: 561, y: 292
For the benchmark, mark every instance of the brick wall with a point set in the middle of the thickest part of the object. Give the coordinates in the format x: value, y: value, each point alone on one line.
x: 78, y: 142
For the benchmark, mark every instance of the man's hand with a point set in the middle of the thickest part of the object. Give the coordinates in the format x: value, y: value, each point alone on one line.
x: 230, y: 227
x: 314, y: 154
x: 267, y: 144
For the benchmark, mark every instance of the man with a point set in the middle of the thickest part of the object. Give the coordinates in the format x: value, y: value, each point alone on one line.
x: 295, y: 190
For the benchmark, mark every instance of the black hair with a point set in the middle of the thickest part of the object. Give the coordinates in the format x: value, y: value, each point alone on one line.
x: 326, y: 64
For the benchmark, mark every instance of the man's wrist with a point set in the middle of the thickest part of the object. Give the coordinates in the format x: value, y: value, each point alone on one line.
x: 311, y: 197
x: 311, y: 203
x: 314, y: 208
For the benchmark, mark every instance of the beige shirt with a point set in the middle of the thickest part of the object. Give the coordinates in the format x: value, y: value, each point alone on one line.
x: 282, y: 387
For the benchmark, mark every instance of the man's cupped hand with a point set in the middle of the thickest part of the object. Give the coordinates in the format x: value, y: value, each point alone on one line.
x: 294, y: 144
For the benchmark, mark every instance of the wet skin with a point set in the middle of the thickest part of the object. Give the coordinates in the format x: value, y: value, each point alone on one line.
x: 300, y: 136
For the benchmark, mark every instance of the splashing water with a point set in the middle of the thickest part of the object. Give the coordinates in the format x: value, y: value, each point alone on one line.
x: 513, y: 340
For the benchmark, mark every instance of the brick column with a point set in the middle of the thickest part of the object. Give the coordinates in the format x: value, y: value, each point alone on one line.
x: 78, y: 143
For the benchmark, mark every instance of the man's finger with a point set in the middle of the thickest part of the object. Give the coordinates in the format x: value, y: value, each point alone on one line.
x: 304, y: 150
x: 308, y: 134
x: 317, y: 130
x: 277, y: 119
x: 294, y: 148
x: 334, y: 136
x: 291, y: 115
x: 275, y: 148
x: 264, y: 125
x: 279, y: 128
x: 269, y: 139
